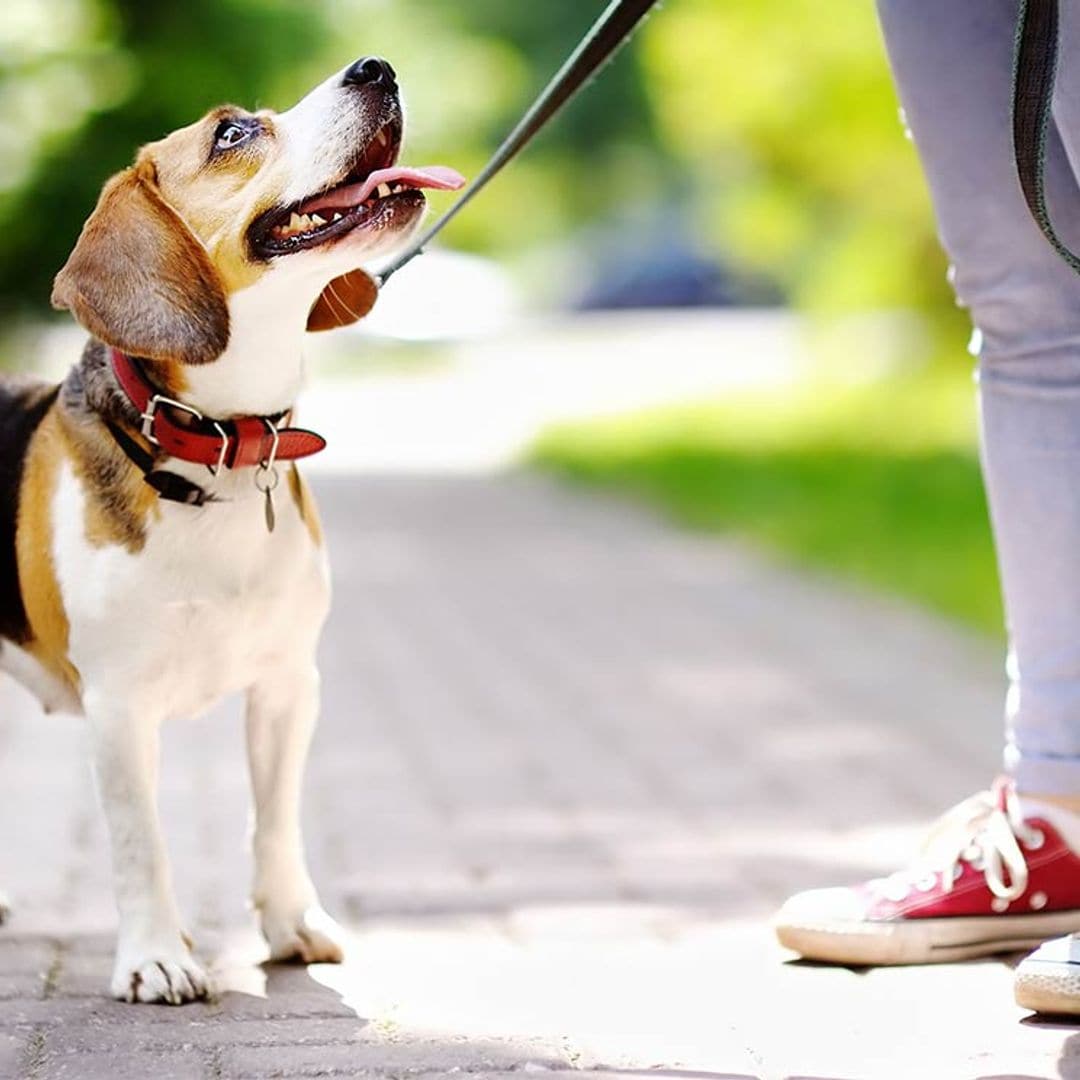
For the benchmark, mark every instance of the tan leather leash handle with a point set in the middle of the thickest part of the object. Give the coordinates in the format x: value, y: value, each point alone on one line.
x: 611, y: 30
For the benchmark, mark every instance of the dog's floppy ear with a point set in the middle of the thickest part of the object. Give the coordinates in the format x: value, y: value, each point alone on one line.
x: 140, y: 281
x: 345, y: 300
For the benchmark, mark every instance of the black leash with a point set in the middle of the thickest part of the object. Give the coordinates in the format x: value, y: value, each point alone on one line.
x: 1034, y: 68
x: 608, y: 32
x: 168, y: 485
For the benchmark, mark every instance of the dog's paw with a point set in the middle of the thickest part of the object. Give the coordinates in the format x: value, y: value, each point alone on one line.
x: 308, y: 936
x: 169, y: 976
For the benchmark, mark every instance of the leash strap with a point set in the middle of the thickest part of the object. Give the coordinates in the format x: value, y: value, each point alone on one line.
x: 168, y: 485
x: 611, y: 30
x: 1034, y: 69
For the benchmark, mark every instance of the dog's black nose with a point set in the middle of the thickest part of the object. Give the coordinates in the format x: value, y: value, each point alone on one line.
x: 371, y: 69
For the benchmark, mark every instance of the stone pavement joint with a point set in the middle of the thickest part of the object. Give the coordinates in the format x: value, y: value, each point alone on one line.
x: 570, y: 760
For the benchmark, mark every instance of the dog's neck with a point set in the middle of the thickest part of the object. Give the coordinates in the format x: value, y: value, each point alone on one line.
x: 261, y: 371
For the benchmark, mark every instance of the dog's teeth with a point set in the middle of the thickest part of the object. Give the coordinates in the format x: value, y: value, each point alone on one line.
x: 397, y: 189
x: 382, y: 190
x: 294, y: 222
x: 305, y: 222
x: 337, y: 216
x: 316, y: 220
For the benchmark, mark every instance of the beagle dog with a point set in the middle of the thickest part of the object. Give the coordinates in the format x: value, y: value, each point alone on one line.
x: 150, y: 560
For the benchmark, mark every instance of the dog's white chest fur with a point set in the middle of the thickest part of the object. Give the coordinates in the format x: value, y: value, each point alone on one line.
x: 210, y: 603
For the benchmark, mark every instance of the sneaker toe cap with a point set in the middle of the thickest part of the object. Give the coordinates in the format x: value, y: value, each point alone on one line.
x: 816, y: 906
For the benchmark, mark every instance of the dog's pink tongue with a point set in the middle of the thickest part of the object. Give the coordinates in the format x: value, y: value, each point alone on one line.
x: 440, y: 177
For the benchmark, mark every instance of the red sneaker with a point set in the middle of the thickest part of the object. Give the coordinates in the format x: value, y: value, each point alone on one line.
x: 995, y: 875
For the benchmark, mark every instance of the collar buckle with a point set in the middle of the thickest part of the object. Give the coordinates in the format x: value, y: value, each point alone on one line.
x: 149, y: 415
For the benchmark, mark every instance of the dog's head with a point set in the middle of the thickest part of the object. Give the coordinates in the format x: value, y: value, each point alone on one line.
x: 217, y: 207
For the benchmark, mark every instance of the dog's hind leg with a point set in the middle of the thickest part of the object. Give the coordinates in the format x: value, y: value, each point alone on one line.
x: 153, y: 960
x: 281, y: 714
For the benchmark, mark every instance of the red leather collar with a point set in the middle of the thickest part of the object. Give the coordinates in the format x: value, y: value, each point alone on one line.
x: 232, y: 444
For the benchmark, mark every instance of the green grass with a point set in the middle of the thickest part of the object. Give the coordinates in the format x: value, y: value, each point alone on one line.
x: 879, y: 481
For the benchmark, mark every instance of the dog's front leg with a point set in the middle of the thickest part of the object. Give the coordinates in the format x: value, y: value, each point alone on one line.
x: 281, y: 714
x: 153, y: 960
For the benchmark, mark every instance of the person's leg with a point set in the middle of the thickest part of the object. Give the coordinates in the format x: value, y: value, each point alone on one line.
x: 953, y: 65
x: 1003, y: 854
x: 953, y: 69
x: 1030, y: 398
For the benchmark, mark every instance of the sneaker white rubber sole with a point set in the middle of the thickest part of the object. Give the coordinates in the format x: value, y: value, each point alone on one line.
x: 1044, y: 988
x: 923, y: 941
x: 1048, y: 981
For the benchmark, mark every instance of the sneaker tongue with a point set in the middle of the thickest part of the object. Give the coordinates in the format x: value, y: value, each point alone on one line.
x: 439, y: 177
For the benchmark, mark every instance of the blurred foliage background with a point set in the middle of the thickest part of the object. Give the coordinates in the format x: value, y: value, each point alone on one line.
x: 767, y: 133
x: 760, y: 136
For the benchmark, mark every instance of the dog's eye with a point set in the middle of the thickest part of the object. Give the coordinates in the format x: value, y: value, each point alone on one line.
x: 231, y: 133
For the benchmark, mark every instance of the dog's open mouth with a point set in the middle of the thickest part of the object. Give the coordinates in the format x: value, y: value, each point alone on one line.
x: 375, y: 192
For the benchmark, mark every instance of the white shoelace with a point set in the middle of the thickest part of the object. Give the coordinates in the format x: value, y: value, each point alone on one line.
x: 978, y: 832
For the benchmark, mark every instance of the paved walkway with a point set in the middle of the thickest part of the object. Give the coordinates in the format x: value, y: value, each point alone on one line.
x: 570, y: 761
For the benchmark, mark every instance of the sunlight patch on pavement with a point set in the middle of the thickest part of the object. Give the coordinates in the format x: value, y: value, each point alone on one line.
x: 607, y: 993
x: 602, y: 989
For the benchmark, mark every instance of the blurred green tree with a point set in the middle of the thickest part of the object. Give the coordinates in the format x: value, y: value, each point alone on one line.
x: 785, y: 114
x: 130, y: 71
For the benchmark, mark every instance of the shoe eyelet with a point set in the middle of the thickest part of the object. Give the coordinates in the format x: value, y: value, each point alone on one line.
x: 1035, y: 840
x: 895, y: 891
x: 999, y: 904
x: 1038, y: 900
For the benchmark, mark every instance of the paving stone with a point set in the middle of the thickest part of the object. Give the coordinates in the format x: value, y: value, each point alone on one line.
x: 12, y: 1055
x: 182, y: 1034
x: 130, y: 1065
x: 362, y: 1058
x: 25, y: 957
x: 21, y: 986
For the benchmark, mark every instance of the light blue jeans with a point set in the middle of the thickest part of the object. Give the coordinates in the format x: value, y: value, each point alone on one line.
x: 952, y: 60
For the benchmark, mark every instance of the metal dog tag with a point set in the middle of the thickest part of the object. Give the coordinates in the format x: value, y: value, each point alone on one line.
x: 266, y: 479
